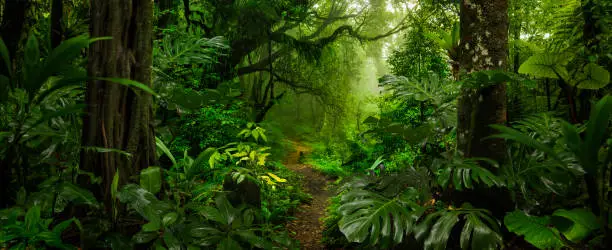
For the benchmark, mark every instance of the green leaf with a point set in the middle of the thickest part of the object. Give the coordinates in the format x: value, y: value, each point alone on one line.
x: 162, y: 147
x: 594, y: 77
x: 537, y: 230
x: 31, y: 61
x: 169, y: 219
x: 76, y: 194
x: 128, y: 83
x: 144, y: 237
x: 4, y: 53
x: 440, y: 232
x: 547, y: 65
x: 228, y: 244
x: 152, y: 226
x: 171, y: 241
x: 581, y: 223
x: 32, y: 219
x: 366, y: 214
x: 151, y: 179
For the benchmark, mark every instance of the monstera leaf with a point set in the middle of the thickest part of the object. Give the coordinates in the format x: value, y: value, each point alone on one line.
x: 464, y: 173
x: 367, y: 215
x: 480, y: 231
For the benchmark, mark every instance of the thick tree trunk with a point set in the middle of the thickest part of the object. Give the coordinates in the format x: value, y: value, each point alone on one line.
x: 484, y: 46
x: 118, y: 117
x: 57, y: 13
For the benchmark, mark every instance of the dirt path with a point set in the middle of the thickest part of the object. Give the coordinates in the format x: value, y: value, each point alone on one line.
x: 307, y: 227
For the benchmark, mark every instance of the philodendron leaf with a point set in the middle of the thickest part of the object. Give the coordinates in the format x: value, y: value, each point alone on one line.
x: 150, y: 179
x: 575, y: 224
x: 537, y: 230
x: 593, y: 77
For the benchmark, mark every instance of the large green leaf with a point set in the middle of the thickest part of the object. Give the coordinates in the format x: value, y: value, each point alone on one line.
x: 575, y: 224
x: 546, y: 65
x: 594, y: 77
x: 365, y: 213
x: 228, y: 244
x: 161, y: 146
x: 6, y: 58
x: 480, y: 231
x: 31, y: 62
x: 76, y: 194
x: 537, y: 230
x: 151, y: 179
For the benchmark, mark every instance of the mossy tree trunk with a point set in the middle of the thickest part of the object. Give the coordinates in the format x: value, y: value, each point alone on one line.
x: 484, y: 46
x: 118, y: 117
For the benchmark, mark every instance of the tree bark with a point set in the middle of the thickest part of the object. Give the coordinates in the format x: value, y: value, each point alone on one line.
x: 118, y: 117
x: 56, y: 31
x: 484, y: 46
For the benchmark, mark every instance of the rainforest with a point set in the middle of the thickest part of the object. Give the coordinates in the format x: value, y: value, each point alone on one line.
x: 305, y: 124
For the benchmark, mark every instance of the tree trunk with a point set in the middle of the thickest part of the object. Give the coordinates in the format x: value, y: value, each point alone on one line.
x: 56, y: 32
x: 484, y: 46
x: 118, y: 117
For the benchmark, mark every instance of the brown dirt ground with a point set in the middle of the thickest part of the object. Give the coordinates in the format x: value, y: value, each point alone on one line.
x: 308, y: 227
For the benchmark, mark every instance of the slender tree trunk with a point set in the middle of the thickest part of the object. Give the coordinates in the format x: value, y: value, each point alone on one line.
x: 57, y: 13
x: 484, y: 46
x: 118, y: 117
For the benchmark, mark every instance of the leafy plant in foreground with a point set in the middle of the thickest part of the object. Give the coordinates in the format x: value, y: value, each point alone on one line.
x: 480, y: 230
x: 32, y: 231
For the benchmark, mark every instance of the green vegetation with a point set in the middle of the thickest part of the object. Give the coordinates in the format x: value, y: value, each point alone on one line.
x: 194, y: 124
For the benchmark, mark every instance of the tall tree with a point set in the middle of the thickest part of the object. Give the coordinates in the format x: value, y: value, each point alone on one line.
x: 118, y: 117
x: 484, y: 46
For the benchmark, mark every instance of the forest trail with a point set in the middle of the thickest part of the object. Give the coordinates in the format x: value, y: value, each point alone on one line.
x: 307, y: 226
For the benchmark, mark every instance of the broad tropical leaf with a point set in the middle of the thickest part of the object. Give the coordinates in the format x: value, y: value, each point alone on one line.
x: 547, y: 65
x: 535, y: 229
x: 151, y: 179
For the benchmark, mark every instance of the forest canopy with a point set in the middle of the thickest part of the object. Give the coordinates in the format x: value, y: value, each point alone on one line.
x: 305, y: 124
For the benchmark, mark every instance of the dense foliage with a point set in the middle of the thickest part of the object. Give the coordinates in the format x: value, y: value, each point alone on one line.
x: 175, y: 130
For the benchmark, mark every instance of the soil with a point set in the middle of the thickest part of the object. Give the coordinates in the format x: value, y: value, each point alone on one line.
x: 308, y: 227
